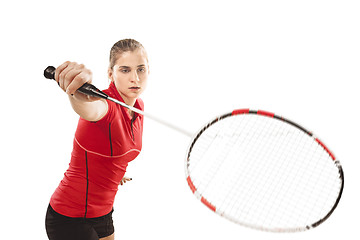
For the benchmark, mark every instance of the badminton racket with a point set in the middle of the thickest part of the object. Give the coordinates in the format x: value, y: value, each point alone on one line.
x: 258, y: 169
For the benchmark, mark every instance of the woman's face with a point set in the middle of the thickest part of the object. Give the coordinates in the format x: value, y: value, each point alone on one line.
x: 130, y: 74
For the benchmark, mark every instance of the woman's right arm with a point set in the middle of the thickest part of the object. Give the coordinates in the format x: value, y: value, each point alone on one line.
x: 71, y: 76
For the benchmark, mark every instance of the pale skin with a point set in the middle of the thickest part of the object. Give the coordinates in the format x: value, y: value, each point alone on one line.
x: 130, y: 74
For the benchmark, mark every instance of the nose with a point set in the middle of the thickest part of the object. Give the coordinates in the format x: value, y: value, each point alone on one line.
x: 135, y: 77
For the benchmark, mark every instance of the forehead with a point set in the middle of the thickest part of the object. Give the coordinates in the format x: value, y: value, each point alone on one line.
x: 132, y: 58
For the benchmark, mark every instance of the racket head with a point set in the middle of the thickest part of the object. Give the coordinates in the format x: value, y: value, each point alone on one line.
x: 264, y: 171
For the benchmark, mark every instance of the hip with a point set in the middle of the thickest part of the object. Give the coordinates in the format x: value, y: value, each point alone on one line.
x: 60, y: 227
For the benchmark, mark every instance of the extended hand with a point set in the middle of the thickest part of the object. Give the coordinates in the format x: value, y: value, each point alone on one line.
x: 124, y: 180
x: 71, y: 75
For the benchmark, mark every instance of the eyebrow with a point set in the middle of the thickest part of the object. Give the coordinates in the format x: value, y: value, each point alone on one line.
x: 141, y: 65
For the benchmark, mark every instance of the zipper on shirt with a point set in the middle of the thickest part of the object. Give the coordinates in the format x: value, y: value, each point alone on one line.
x: 132, y: 130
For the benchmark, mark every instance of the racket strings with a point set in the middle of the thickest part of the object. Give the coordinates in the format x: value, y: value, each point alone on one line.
x: 263, y: 172
x: 265, y: 179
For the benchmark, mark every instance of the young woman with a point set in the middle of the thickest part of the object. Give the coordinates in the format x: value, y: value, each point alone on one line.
x: 108, y: 136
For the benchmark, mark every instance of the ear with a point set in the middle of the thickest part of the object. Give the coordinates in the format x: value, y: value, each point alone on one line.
x: 110, y: 74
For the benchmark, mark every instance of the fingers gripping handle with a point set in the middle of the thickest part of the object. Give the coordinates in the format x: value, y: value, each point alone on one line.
x: 87, y: 88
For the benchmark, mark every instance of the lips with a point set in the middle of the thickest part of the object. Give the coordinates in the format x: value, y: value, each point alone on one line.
x: 134, y: 88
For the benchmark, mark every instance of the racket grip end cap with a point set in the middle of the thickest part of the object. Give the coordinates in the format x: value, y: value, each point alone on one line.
x: 49, y: 72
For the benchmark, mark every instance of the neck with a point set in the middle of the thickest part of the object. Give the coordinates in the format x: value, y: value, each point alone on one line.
x: 131, y: 113
x: 129, y: 102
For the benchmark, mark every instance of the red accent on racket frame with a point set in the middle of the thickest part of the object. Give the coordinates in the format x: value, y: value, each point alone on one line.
x: 240, y: 111
x: 264, y: 113
x: 209, y: 205
x: 326, y: 149
x: 191, y: 185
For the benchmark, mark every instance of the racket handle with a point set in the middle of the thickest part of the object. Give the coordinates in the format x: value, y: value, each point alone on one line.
x: 87, y: 88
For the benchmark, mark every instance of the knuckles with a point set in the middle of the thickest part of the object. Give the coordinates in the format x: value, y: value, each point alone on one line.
x: 70, y: 72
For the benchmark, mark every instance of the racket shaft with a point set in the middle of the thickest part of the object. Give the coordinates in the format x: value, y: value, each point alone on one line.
x: 151, y: 117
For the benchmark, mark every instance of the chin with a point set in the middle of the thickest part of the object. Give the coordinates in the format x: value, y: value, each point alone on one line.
x: 133, y: 96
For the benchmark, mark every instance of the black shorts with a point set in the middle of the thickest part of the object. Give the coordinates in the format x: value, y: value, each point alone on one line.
x: 60, y: 227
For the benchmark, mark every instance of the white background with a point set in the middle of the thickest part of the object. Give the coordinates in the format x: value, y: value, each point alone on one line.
x: 299, y: 59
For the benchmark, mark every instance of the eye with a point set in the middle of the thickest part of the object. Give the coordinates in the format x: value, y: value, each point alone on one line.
x: 124, y: 70
x: 142, y: 69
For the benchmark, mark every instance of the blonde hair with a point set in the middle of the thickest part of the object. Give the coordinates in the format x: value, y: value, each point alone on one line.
x: 125, y: 45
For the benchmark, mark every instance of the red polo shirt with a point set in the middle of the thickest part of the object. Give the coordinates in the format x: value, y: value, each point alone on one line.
x: 101, y: 153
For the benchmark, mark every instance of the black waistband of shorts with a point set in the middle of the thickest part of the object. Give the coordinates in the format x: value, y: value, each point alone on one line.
x: 66, y: 217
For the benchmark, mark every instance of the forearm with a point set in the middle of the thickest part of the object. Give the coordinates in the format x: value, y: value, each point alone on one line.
x: 70, y: 77
x: 88, y: 108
